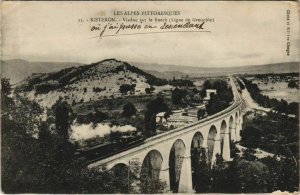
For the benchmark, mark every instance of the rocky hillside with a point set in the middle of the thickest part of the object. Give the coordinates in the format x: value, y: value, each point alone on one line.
x: 87, y: 83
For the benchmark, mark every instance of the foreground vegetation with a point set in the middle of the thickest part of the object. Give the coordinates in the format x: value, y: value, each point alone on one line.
x: 35, y: 159
x: 38, y: 159
x: 279, y: 135
x: 245, y: 174
x: 274, y: 133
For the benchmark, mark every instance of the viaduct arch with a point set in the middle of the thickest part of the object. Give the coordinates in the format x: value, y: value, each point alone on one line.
x: 170, y: 156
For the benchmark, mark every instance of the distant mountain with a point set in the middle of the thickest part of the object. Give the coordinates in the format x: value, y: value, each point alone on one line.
x: 88, y: 82
x: 166, y: 74
x: 168, y: 71
x: 17, y: 70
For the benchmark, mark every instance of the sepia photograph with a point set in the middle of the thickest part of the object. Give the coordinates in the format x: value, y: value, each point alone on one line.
x: 150, y: 97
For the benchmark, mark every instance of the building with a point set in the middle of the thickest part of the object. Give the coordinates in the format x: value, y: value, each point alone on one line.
x: 160, y: 117
x: 209, y: 92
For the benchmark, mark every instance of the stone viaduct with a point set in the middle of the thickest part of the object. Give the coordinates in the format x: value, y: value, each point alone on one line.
x: 168, y: 156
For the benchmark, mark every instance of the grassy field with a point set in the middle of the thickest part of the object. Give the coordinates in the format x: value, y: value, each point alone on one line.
x: 278, y: 89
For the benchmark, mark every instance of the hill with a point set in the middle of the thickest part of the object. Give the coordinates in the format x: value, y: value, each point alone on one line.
x: 88, y: 83
x: 18, y: 70
x: 168, y: 71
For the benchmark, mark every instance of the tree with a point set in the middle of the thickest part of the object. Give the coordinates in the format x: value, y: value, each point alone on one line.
x: 99, y: 116
x: 45, y: 87
x: 220, y: 85
x: 149, y: 90
x: 178, y: 95
x: 293, y: 108
x: 251, y: 136
x: 218, y: 101
x: 201, y: 113
x: 253, y: 176
x: 129, y: 110
x: 283, y: 174
x: 293, y: 84
x: 233, y: 150
x: 220, y: 176
x: 6, y: 101
x: 216, y: 104
x: 150, y: 186
x: 44, y: 134
x: 249, y: 154
x: 154, y: 107
x: 19, y: 121
x: 181, y: 83
x: 62, y: 110
x: 282, y: 106
x: 5, y: 88
x: 201, y: 171
x: 125, y: 88
x: 168, y: 114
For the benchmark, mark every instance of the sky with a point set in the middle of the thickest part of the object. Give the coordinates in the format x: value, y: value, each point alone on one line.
x: 243, y: 33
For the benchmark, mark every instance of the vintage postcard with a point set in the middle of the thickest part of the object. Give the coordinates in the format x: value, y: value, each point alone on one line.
x: 149, y: 97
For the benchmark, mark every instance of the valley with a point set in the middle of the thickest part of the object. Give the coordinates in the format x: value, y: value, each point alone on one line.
x: 108, y: 109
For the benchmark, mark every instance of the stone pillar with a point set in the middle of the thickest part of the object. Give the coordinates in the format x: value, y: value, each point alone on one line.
x: 136, y: 184
x: 185, y: 182
x: 226, y: 147
x: 165, y: 177
x: 239, y: 128
x: 217, y: 149
x: 232, y: 131
x: 204, y: 145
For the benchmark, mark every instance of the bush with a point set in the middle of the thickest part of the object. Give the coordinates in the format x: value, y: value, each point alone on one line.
x: 253, y: 176
x: 178, y: 95
x: 153, y: 107
x: 125, y: 88
x: 251, y: 136
x: 44, y: 88
x: 149, y: 90
x: 292, y: 84
x: 216, y: 104
x: 129, y: 110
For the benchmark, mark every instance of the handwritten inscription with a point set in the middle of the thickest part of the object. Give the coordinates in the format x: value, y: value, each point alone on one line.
x: 115, y: 29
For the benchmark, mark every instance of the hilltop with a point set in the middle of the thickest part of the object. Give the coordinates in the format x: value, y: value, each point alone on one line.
x: 85, y: 83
